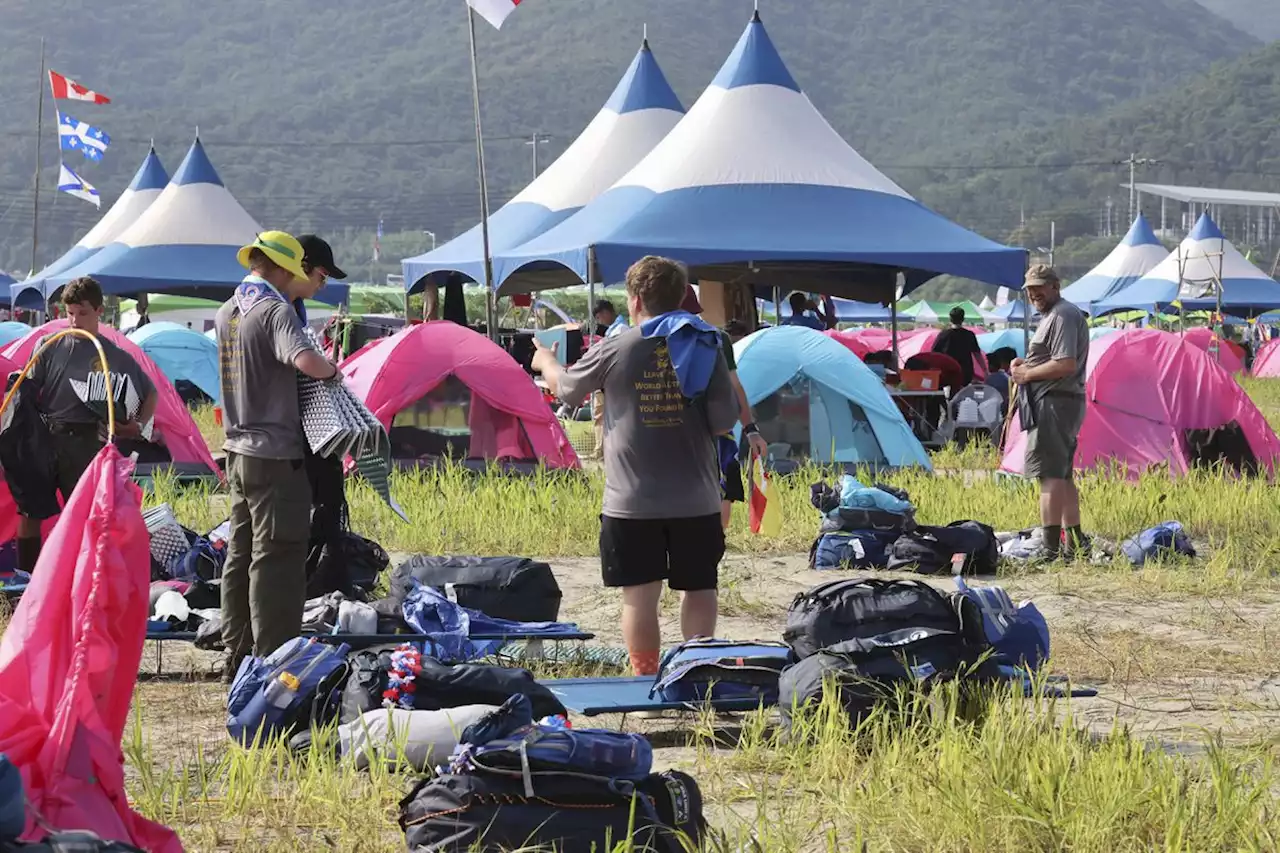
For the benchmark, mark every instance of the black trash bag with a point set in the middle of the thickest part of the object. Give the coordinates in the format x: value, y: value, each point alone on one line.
x: 347, y: 563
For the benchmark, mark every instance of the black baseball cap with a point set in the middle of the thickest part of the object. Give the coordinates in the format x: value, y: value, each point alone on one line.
x: 318, y: 253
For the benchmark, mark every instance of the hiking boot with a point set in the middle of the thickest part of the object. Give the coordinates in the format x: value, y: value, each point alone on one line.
x: 230, y: 667
x: 1076, y: 547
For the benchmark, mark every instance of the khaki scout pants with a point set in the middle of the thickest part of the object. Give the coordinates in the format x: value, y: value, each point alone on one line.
x: 265, y: 577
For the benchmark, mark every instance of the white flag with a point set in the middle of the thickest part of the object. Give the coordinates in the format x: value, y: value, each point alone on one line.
x: 494, y: 11
x: 1002, y: 296
x: 72, y: 184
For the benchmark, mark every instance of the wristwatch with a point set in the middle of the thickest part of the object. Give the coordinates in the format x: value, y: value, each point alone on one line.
x: 751, y: 429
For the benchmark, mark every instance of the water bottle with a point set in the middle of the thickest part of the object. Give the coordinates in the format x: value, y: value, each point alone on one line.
x: 282, y: 690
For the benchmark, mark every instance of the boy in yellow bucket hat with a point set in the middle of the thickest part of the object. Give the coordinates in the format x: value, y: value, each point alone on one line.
x: 261, y: 348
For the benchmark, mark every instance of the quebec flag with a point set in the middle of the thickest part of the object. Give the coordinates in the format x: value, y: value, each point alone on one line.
x: 72, y: 184
x: 81, y: 136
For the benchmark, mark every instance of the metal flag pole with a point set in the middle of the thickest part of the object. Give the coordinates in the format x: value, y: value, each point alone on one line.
x: 489, y: 300
x: 35, y: 207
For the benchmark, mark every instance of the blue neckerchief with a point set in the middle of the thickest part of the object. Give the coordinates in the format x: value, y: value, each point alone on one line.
x: 693, y: 345
x: 253, y: 290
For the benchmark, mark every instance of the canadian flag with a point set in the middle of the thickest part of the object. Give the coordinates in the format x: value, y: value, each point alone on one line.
x: 494, y: 11
x: 70, y: 90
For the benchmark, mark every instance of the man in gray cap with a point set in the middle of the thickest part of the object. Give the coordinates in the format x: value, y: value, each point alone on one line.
x: 1051, y: 407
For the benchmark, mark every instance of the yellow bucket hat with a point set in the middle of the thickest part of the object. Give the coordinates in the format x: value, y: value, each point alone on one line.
x: 280, y: 247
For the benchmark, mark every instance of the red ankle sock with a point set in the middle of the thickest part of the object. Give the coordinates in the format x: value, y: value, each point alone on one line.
x: 645, y: 663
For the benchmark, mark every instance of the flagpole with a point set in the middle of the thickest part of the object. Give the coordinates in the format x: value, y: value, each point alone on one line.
x: 489, y: 301
x: 35, y: 207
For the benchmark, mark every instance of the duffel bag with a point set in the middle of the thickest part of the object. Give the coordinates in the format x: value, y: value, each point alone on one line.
x: 869, y: 670
x: 514, y: 588
x: 440, y: 686
x: 702, y: 669
x: 568, y: 813
x: 1161, y: 540
x: 858, y: 549
x: 930, y: 550
x: 286, y: 692
x: 849, y: 609
x: 508, y: 742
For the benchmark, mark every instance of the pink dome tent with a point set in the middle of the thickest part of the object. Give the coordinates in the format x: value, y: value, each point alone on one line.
x: 443, y: 390
x: 1155, y: 398
x: 1230, y: 356
x: 1266, y: 364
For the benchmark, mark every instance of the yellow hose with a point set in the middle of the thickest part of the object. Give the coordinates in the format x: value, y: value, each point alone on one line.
x: 106, y: 374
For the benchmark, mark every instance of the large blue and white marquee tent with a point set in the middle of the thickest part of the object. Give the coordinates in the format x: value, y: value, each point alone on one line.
x: 147, y: 184
x: 641, y: 111
x: 186, y: 242
x: 1191, y: 275
x: 1136, y: 255
x: 755, y: 185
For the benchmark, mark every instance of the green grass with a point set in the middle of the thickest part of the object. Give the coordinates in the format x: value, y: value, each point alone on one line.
x: 1008, y: 774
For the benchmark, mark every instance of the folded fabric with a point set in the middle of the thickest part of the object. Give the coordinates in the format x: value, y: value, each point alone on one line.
x: 693, y: 345
x: 450, y: 626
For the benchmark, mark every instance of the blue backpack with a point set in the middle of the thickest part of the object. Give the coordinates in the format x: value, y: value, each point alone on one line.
x: 1167, y: 538
x: 286, y: 691
x: 1018, y: 634
x: 705, y: 668
x: 508, y: 743
x: 857, y: 549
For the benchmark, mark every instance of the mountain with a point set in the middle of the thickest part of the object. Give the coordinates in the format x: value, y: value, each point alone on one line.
x: 1220, y: 130
x: 325, y: 115
x: 1259, y: 17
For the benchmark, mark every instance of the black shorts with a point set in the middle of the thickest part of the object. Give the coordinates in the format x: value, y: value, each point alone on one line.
x: 733, y: 490
x: 684, y: 552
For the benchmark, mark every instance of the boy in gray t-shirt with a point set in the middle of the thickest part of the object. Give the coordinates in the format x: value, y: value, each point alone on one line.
x: 661, y: 514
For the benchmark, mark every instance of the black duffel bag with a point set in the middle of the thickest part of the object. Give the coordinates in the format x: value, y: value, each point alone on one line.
x: 345, y: 562
x: 868, y: 671
x: 929, y: 550
x: 851, y: 609
x: 515, y: 588
x: 441, y: 686
x: 568, y: 813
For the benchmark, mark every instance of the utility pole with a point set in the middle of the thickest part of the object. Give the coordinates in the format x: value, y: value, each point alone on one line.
x: 1133, y: 163
x: 538, y: 138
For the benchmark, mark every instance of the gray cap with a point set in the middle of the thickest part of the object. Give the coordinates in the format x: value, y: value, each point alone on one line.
x: 1041, y: 275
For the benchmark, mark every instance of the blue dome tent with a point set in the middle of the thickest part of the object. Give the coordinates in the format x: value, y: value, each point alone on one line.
x: 754, y: 185
x: 182, y: 353
x: 814, y: 399
x: 1015, y: 339
x: 1138, y: 254
x: 185, y: 243
x: 11, y: 330
x: 147, y: 184
x: 641, y: 111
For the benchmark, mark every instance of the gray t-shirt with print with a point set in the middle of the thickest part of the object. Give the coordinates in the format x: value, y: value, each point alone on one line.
x: 74, y: 359
x: 660, y: 457
x: 256, y: 351
x: 1063, y: 333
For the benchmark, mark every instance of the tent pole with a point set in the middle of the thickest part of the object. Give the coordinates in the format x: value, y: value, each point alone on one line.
x: 893, y: 330
x: 490, y: 299
x: 777, y: 306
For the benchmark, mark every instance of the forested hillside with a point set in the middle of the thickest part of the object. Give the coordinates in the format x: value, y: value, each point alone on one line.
x: 327, y: 115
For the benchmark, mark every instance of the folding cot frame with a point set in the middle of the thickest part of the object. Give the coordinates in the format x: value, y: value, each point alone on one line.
x: 365, y: 641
